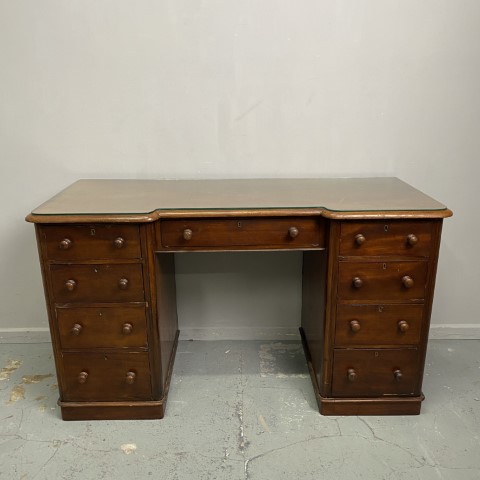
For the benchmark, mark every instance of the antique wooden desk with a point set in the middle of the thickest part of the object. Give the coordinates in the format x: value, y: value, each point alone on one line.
x: 370, y: 256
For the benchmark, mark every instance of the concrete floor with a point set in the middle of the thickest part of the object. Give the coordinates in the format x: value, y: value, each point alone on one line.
x: 242, y: 410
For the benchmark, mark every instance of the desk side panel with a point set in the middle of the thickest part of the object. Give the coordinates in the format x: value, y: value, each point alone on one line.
x: 313, y: 308
x: 164, y: 329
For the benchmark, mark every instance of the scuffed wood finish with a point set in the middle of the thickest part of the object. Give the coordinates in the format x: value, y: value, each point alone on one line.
x: 370, y: 257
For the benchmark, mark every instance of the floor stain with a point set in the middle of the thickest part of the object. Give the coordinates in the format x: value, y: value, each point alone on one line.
x: 128, y: 448
x: 17, y: 393
x: 275, y: 359
x: 9, y: 368
x: 27, y: 379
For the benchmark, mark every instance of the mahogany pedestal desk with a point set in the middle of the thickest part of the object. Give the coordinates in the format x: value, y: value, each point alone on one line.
x: 370, y: 249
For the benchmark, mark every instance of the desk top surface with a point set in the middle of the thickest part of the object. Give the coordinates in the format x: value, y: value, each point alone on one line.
x: 147, y: 200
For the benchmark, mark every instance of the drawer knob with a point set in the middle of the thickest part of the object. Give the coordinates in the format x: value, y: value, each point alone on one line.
x: 123, y: 284
x: 187, y: 234
x: 360, y: 239
x: 77, y: 329
x: 130, y: 378
x: 407, y: 281
x: 403, y: 326
x: 293, y: 232
x: 82, y: 377
x: 119, y: 242
x: 397, y: 374
x: 65, y: 244
x: 351, y: 375
x: 71, y: 285
x: 357, y: 282
x: 355, y: 326
x: 127, y: 328
x: 412, y: 239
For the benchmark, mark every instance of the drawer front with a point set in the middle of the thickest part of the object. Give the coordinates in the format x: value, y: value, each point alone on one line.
x: 386, y: 238
x: 378, y: 324
x: 106, y: 377
x: 86, y: 242
x: 383, y: 281
x: 97, y: 283
x: 90, y: 327
x: 282, y: 232
x: 370, y: 373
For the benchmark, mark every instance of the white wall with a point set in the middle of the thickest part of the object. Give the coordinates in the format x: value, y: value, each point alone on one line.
x: 273, y: 88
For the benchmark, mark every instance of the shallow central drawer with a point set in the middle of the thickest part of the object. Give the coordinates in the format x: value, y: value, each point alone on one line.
x: 282, y: 232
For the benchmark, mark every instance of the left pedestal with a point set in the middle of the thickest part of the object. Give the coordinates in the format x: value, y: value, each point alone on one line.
x: 113, y: 325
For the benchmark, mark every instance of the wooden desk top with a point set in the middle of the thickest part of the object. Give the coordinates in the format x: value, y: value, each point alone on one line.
x: 149, y: 200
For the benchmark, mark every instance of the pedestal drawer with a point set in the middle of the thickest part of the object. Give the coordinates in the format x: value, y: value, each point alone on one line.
x: 370, y: 373
x: 109, y: 327
x: 97, y: 283
x: 106, y: 376
x: 86, y: 242
x: 283, y: 232
x: 378, y: 325
x: 384, y: 281
x: 386, y: 238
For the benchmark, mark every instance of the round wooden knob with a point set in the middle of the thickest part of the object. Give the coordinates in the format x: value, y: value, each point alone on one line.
x: 119, y: 242
x: 65, y: 244
x: 357, y: 282
x: 397, y: 374
x: 77, y: 329
x: 412, y: 239
x: 403, y: 326
x: 71, y: 285
x: 127, y: 328
x: 82, y: 377
x: 351, y: 375
x: 407, y: 281
x: 123, y: 284
x: 293, y: 232
x: 355, y: 326
x: 360, y: 239
x: 187, y: 234
x: 130, y: 378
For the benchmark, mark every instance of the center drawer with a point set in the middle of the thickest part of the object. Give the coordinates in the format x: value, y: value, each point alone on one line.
x: 281, y: 232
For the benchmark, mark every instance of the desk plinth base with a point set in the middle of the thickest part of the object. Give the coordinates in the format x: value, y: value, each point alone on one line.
x: 113, y: 410
x: 370, y: 406
x: 387, y: 405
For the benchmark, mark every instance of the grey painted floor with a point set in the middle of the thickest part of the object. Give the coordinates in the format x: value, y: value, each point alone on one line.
x: 242, y: 410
